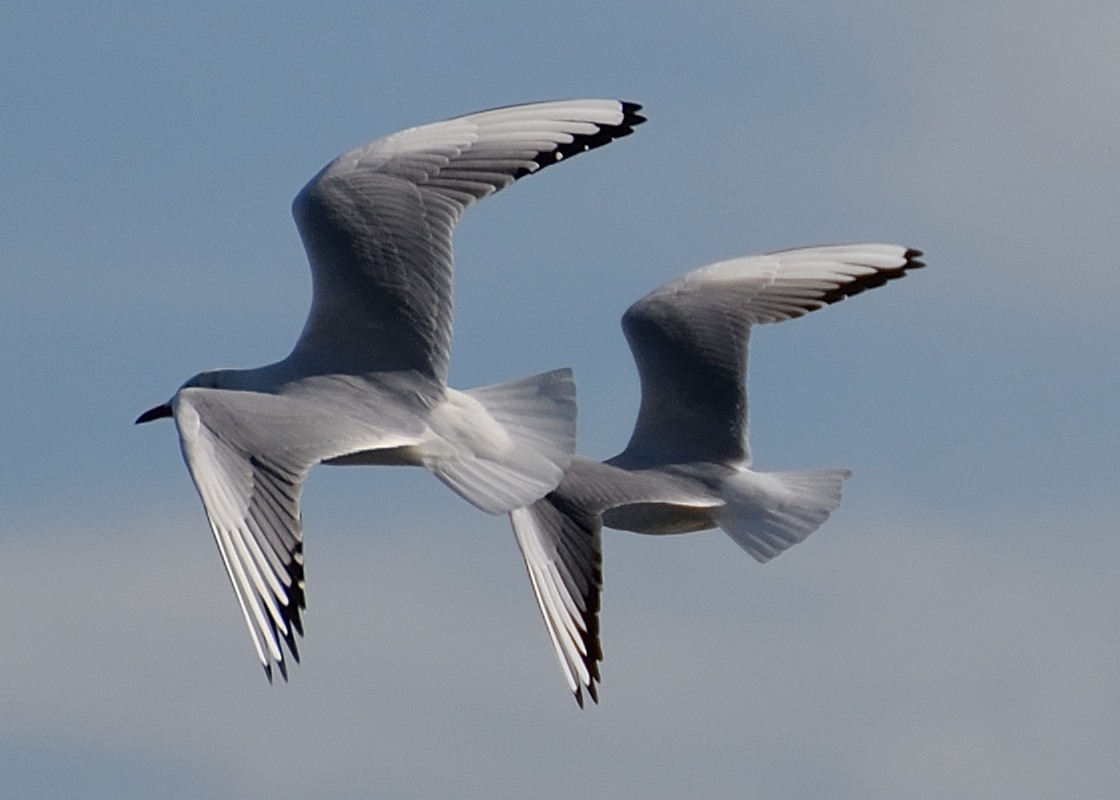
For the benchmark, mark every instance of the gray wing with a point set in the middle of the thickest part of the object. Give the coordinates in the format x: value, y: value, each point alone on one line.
x: 560, y: 543
x: 559, y: 537
x: 689, y: 339
x: 252, y: 503
x: 377, y: 221
x: 248, y: 454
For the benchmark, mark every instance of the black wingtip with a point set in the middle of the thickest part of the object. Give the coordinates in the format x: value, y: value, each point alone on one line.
x: 604, y: 134
x: 631, y: 117
x: 592, y: 692
x: 911, y: 260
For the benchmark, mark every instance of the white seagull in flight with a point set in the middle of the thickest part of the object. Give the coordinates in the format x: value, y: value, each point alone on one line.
x: 366, y: 382
x: 687, y: 465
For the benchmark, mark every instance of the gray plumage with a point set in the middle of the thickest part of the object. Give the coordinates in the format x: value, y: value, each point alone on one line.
x: 687, y: 466
x: 366, y: 382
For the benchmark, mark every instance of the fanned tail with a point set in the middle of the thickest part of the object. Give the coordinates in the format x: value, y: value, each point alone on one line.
x: 511, y: 441
x: 768, y: 512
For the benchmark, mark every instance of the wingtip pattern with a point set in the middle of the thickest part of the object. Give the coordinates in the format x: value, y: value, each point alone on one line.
x: 592, y: 687
x: 604, y: 133
x: 563, y: 558
x: 880, y: 275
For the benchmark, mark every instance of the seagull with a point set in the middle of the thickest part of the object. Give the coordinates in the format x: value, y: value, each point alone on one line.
x: 366, y: 382
x: 687, y: 465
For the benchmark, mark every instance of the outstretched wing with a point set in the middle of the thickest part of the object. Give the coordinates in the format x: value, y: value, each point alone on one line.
x: 689, y: 339
x: 252, y: 503
x: 377, y: 221
x: 561, y: 546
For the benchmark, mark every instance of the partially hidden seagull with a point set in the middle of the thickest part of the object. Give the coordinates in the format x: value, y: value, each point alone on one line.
x: 366, y: 382
x: 687, y: 465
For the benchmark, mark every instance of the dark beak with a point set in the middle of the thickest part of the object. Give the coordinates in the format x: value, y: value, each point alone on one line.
x: 159, y: 412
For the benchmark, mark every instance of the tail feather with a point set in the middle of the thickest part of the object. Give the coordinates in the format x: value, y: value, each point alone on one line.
x: 512, y: 441
x: 766, y: 513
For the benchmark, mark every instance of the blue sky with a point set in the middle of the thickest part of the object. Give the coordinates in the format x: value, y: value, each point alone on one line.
x: 950, y: 632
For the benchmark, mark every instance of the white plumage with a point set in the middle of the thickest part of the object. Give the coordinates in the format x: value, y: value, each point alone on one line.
x: 366, y: 382
x: 687, y: 465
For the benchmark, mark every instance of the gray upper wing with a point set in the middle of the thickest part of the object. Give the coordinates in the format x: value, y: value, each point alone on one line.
x: 377, y: 221
x: 689, y: 339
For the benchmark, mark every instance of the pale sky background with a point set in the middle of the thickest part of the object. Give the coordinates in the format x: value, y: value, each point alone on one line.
x: 951, y: 632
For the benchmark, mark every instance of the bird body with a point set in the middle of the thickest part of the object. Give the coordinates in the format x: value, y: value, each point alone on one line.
x: 366, y: 381
x: 687, y: 466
